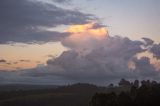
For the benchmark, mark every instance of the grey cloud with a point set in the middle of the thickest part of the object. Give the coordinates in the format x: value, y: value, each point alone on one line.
x: 148, y: 41
x: 155, y: 49
x: 8, y: 63
x: 16, y: 78
x: 2, y: 61
x: 144, y: 68
x: 15, y: 62
x: 152, y: 47
x: 24, y: 60
x: 62, y: 1
x: 32, y: 37
x: 98, y: 25
x: 50, y: 56
x: 20, y: 20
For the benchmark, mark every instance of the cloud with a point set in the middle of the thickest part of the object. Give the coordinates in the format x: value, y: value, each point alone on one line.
x: 155, y: 49
x: 2, y: 61
x: 23, y: 60
x: 83, y: 38
x: 108, y: 61
x: 62, y: 1
x: 32, y: 37
x: 20, y: 20
x: 145, y: 68
x: 13, y: 62
x: 50, y: 56
x: 16, y: 78
x: 148, y: 41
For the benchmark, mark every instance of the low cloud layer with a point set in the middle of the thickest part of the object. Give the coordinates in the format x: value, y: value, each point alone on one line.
x: 2, y: 61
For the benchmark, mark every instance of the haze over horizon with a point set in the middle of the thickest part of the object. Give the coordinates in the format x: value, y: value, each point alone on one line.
x: 68, y: 41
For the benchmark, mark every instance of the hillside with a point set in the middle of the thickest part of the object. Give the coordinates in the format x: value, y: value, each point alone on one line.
x: 73, y: 95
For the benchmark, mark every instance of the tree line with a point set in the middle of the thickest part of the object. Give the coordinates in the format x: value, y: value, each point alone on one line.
x: 144, y: 93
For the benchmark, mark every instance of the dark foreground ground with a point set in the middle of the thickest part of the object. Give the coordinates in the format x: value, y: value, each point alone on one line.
x: 126, y: 94
x: 71, y: 95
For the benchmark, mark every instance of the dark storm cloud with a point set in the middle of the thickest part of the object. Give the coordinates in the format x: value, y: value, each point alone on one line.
x: 20, y: 20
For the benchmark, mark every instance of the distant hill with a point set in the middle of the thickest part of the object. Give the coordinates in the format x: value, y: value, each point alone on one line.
x: 14, y: 87
x: 82, y: 94
x: 38, y: 95
x: 49, y: 95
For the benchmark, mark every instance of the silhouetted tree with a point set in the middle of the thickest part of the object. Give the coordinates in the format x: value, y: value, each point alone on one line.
x: 124, y: 99
x: 154, y: 83
x: 133, y: 92
x: 111, y: 85
x: 124, y: 82
x: 136, y: 83
x: 148, y: 94
x: 101, y: 99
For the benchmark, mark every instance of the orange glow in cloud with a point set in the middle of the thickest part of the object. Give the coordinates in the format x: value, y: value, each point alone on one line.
x: 88, y: 30
x: 131, y: 65
x: 153, y: 60
x: 85, y: 37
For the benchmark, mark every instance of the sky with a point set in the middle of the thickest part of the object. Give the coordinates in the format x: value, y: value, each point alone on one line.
x: 68, y: 41
x: 131, y: 18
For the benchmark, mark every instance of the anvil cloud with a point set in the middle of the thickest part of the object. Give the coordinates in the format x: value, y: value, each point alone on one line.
x: 21, y: 20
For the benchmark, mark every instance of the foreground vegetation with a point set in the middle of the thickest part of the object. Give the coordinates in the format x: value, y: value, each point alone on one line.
x: 148, y: 94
